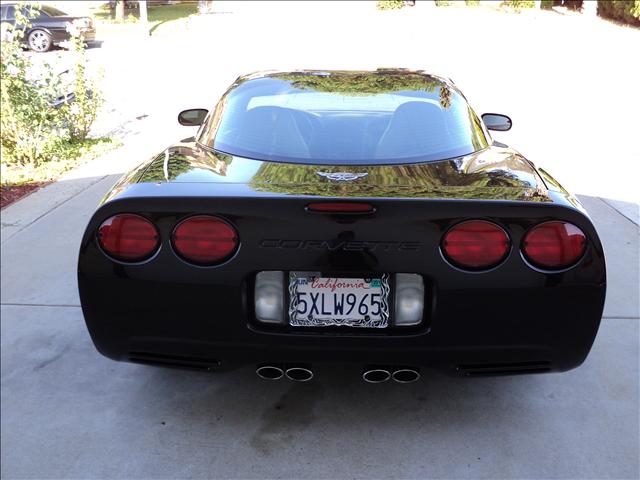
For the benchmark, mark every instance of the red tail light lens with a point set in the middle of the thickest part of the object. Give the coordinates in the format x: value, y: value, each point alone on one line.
x: 128, y: 237
x: 554, y: 245
x: 476, y: 245
x: 204, y: 240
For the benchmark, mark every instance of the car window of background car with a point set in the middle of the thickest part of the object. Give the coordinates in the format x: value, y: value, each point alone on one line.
x: 26, y: 13
x: 7, y: 12
x: 51, y: 12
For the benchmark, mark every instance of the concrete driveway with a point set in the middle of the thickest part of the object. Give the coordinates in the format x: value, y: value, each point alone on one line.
x: 68, y: 412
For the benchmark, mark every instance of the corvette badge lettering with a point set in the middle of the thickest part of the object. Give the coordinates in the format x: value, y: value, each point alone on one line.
x: 337, y: 245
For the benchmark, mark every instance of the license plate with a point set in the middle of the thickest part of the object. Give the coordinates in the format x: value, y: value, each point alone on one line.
x: 317, y: 301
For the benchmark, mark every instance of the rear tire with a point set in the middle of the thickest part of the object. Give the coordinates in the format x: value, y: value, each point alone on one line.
x: 39, y: 41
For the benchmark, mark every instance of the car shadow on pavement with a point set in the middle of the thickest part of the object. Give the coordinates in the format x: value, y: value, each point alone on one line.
x: 276, y: 412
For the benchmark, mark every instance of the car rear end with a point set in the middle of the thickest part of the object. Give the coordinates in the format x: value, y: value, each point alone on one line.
x: 221, y: 294
x: 361, y: 217
x: 87, y: 29
x: 81, y: 26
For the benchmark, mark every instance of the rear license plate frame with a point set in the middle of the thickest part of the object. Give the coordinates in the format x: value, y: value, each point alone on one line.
x: 349, y: 320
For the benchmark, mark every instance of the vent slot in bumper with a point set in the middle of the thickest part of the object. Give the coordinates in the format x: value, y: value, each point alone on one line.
x: 509, y: 368
x: 175, y: 361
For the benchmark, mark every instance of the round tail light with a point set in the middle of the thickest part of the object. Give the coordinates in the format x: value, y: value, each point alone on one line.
x: 554, y: 245
x: 476, y: 245
x: 128, y: 237
x: 204, y: 240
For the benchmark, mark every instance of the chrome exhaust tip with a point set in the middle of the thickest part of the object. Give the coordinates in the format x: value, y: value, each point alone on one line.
x: 405, y: 375
x: 376, y: 374
x: 269, y: 372
x: 299, y: 373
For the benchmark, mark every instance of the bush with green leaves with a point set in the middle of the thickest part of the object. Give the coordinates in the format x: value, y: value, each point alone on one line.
x: 389, y: 4
x: 443, y: 3
x: 627, y: 11
x: 472, y: 3
x: 27, y: 132
x: 519, y: 4
x: 80, y: 114
x: 38, y: 117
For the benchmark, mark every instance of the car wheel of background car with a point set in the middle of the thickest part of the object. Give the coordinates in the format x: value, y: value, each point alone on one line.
x: 39, y: 41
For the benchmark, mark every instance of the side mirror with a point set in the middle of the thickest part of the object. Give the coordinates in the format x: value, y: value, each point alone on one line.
x: 192, y: 117
x: 496, y: 121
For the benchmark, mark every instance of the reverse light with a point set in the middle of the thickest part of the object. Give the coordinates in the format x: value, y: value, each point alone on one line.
x: 476, y: 245
x: 128, y: 237
x: 409, y: 299
x: 269, y: 297
x: 204, y: 240
x: 554, y: 245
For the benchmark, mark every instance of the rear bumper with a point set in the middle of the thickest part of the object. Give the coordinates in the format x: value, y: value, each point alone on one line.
x: 59, y: 36
x: 89, y: 35
x: 493, y: 331
x: 513, y: 317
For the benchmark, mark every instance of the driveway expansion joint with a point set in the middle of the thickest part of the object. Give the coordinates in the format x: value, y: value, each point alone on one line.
x: 613, y: 207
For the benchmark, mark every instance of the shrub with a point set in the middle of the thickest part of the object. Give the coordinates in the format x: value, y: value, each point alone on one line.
x: 519, y: 4
x: 546, y: 4
x: 80, y: 114
x: 27, y: 132
x: 472, y: 3
x: 627, y: 11
x: 443, y: 3
x: 64, y: 157
x: 389, y: 4
x: 38, y: 118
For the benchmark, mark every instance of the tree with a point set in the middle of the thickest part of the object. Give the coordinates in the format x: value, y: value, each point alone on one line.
x: 142, y: 6
x: 120, y: 10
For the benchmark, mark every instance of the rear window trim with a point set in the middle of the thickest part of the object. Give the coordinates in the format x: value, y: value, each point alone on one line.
x: 332, y: 163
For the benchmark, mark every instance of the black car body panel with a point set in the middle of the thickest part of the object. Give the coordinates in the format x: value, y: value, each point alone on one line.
x: 494, y: 173
x: 513, y: 318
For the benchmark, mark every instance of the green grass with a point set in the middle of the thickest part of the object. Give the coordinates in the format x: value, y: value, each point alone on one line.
x: 157, y: 15
x: 68, y: 156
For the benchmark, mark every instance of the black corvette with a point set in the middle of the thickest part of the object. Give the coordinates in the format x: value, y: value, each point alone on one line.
x: 336, y: 216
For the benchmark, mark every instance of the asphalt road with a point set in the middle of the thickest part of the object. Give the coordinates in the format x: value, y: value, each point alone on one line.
x: 68, y: 412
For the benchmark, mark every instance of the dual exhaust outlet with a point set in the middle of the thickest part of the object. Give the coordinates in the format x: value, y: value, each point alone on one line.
x: 371, y: 374
x: 297, y: 373
x: 376, y: 374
